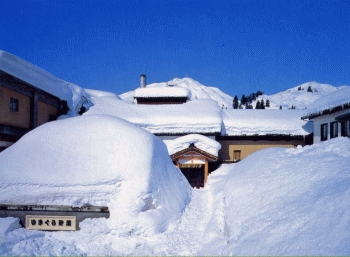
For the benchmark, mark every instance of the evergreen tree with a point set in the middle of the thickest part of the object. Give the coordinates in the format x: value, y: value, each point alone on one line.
x: 257, y: 106
x: 248, y: 106
x: 309, y: 89
x: 267, y: 103
x: 235, y: 102
x: 280, y: 107
x: 262, y: 104
x: 244, y: 99
x: 299, y: 88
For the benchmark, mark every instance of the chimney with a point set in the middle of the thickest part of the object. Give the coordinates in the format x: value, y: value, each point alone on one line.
x: 142, y: 81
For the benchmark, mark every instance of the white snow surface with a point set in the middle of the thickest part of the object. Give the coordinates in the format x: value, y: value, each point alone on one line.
x: 336, y: 98
x: 277, y: 201
x: 169, y: 91
x: 202, y: 142
x: 197, y: 91
x: 240, y: 122
x: 97, y: 160
x: 198, y: 116
x: 300, y: 99
x: 28, y: 72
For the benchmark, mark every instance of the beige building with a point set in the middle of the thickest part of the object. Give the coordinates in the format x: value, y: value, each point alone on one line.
x: 24, y: 107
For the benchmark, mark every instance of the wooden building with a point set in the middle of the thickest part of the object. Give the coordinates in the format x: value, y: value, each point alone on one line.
x: 23, y: 107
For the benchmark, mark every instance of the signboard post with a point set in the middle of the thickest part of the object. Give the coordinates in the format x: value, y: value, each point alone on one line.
x: 41, y: 222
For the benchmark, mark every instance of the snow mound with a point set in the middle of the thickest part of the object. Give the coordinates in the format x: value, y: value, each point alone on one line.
x: 285, y: 202
x: 264, y: 122
x: 196, y: 89
x: 168, y: 91
x: 98, y: 160
x: 337, y: 98
x: 199, y: 116
x: 17, y: 67
x: 202, y: 142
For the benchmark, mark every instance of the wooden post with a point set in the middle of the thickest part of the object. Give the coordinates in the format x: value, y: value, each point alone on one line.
x: 206, y: 171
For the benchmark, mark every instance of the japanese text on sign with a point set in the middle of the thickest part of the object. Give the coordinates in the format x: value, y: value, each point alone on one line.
x: 38, y: 222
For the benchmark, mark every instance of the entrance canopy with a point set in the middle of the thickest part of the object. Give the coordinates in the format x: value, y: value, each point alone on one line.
x: 192, y: 153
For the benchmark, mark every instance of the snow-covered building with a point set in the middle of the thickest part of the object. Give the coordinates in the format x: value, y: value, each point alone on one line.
x: 247, y: 131
x: 30, y: 97
x: 171, y: 94
x: 330, y: 115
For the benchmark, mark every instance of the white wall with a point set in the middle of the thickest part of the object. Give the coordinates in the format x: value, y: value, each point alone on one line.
x: 326, y: 119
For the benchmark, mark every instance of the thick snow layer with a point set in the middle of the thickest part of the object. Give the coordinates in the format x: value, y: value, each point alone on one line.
x: 197, y: 91
x: 98, y: 160
x: 199, y: 116
x: 275, y: 202
x: 173, y: 91
x: 286, y: 202
x: 202, y: 142
x: 337, y: 98
x: 300, y: 99
x: 17, y: 67
x: 264, y: 122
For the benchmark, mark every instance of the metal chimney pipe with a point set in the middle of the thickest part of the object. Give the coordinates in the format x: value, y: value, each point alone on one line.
x: 142, y: 81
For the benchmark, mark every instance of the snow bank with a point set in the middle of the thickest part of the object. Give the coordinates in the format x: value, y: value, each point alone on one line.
x: 163, y: 92
x: 199, y: 116
x: 264, y: 122
x: 337, y: 98
x: 17, y: 67
x: 285, y: 202
x: 202, y: 142
x: 98, y: 160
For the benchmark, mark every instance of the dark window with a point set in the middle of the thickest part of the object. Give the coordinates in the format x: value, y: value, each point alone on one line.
x: 334, y: 129
x: 14, y: 104
x: 237, y: 155
x: 345, y: 128
x: 324, y: 131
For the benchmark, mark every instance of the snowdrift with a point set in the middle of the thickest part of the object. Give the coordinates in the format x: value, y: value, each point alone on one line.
x: 97, y: 160
x: 284, y: 202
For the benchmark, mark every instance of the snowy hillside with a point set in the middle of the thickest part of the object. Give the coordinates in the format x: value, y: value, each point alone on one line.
x: 298, y: 96
x: 275, y: 202
x: 198, y: 91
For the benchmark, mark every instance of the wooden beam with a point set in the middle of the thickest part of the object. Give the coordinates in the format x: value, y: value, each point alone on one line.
x: 206, y: 171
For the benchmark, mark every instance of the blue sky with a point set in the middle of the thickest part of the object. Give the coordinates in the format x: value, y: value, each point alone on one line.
x: 238, y: 46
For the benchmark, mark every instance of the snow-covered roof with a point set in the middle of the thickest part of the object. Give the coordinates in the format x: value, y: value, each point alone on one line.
x: 197, y: 91
x: 241, y: 122
x: 201, y: 142
x: 339, y: 98
x: 160, y: 92
x: 42, y: 79
x: 198, y: 116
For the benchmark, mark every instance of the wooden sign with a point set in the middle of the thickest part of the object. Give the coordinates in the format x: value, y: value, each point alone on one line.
x: 40, y: 222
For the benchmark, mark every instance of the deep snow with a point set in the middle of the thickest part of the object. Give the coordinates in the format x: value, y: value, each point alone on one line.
x: 275, y: 202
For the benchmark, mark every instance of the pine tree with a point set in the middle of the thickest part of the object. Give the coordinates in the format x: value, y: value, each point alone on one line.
x: 257, y: 106
x: 262, y: 104
x: 309, y: 89
x: 299, y: 88
x: 267, y: 103
x: 235, y: 102
x: 243, y: 99
x: 280, y: 107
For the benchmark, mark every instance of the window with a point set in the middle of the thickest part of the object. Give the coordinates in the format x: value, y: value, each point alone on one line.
x: 14, y: 104
x: 236, y: 155
x: 334, y: 129
x: 345, y: 128
x: 324, y: 131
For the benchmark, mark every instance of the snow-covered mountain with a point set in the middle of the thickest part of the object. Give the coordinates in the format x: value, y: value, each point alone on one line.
x: 299, y: 96
x: 198, y: 91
